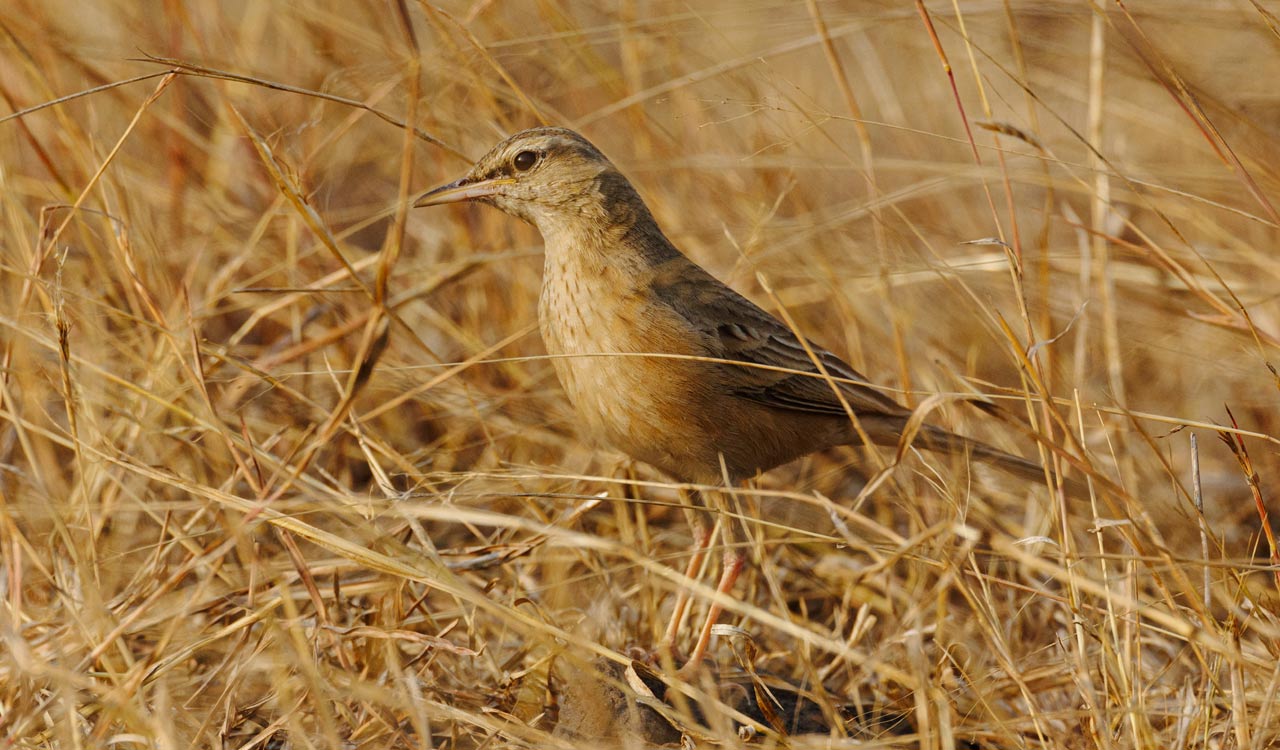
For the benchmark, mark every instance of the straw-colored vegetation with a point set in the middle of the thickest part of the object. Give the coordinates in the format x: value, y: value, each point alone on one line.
x: 281, y: 463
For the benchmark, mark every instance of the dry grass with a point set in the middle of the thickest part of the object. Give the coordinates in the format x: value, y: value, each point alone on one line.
x: 214, y: 535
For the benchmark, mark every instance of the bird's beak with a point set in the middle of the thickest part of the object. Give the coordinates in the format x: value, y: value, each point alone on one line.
x: 465, y: 189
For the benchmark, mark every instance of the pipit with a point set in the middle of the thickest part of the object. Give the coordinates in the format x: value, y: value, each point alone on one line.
x: 661, y: 359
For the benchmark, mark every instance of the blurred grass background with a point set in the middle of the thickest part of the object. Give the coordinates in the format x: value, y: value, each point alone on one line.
x: 214, y: 536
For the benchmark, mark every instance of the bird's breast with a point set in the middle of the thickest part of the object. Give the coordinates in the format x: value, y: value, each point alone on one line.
x: 612, y: 345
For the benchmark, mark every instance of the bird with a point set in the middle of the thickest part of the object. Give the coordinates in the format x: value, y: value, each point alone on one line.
x: 662, y: 360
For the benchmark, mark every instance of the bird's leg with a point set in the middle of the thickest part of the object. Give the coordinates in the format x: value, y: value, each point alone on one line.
x: 734, y: 559
x: 732, y: 562
x: 702, y: 532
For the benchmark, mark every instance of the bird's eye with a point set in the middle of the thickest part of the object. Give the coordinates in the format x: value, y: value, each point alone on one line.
x: 525, y: 160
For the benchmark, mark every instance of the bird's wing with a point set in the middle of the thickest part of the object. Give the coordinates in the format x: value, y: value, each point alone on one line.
x: 738, y: 329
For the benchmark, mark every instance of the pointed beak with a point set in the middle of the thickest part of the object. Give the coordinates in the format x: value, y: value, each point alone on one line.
x: 461, y: 190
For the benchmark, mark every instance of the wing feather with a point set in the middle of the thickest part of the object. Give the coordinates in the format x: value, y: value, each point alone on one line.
x: 738, y: 329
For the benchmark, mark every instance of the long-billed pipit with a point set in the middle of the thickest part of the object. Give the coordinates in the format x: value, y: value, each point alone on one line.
x: 661, y: 359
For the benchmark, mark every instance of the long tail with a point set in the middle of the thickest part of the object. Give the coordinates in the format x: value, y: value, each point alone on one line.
x: 940, y: 440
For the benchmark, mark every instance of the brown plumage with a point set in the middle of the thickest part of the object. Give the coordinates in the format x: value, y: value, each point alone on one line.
x: 614, y: 285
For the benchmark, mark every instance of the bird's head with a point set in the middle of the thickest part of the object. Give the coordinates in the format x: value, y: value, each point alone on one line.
x: 551, y: 178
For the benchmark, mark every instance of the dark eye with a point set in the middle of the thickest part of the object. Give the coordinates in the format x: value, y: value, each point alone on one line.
x: 525, y: 160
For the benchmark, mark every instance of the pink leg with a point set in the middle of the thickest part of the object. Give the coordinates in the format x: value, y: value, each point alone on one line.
x: 701, y: 541
x: 734, y: 559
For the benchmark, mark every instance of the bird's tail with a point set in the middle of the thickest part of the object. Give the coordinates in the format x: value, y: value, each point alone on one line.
x: 943, y: 441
